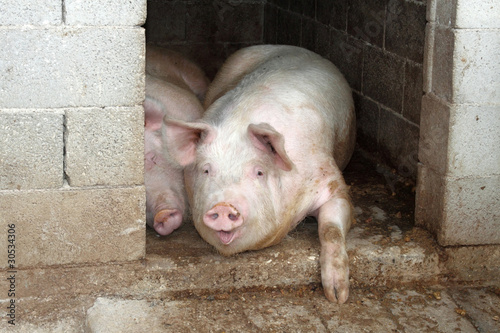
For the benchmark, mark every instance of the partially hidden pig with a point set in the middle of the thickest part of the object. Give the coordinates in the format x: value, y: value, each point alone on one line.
x: 268, y: 151
x: 171, y: 84
x: 173, y: 67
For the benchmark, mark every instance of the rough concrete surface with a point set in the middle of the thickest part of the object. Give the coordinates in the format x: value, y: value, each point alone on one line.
x: 400, y: 281
x: 102, y: 12
x: 41, y: 12
x: 71, y: 66
x: 71, y: 226
x: 104, y: 146
x: 303, y: 309
x: 278, y: 311
x: 31, y: 138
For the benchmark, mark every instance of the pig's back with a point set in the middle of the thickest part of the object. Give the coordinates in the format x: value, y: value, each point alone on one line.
x: 173, y: 67
x: 177, y: 103
x: 301, y: 94
x: 235, y: 68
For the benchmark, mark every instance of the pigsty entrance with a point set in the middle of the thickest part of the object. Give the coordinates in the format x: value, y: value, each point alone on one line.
x: 379, y: 47
x: 383, y: 66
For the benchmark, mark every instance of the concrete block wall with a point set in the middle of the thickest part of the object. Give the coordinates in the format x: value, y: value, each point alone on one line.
x: 458, y: 193
x: 378, y: 46
x: 207, y: 31
x: 71, y: 123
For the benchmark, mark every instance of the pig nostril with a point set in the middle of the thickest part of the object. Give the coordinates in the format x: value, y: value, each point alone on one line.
x: 215, y: 216
x: 233, y: 217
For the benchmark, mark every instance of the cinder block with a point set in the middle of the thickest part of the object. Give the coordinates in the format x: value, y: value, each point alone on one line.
x: 383, y: 77
x: 429, y: 200
x: 105, y: 146
x: 31, y: 153
x: 200, y: 22
x: 166, y: 21
x: 413, y: 92
x: 366, y: 21
x: 105, y: 12
x: 474, y: 141
x: 465, y: 68
x: 460, y: 211
x: 22, y: 12
x: 270, y: 14
x: 441, y: 72
x: 434, y: 132
x: 454, y: 137
x: 476, y: 72
x: 367, y: 122
x: 477, y: 14
x: 347, y: 54
x: 241, y: 22
x: 402, y: 154
x: 71, y: 226
x: 308, y: 34
x: 322, y: 40
x: 405, y: 29
x: 441, y: 12
x: 471, y: 214
x: 464, y: 14
x: 304, y: 7
x: 288, y: 28
x: 71, y: 66
x: 331, y: 13
x: 428, y: 56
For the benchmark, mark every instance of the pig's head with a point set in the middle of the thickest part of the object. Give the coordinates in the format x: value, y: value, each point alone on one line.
x: 233, y: 182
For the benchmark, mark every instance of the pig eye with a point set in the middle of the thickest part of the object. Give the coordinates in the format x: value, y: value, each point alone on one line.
x: 257, y: 172
x: 206, y: 169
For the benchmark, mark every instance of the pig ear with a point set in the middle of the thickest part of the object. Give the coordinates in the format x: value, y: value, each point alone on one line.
x: 266, y: 138
x: 182, y: 138
x: 153, y: 114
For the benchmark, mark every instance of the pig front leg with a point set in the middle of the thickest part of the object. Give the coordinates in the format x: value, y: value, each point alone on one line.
x: 334, y: 219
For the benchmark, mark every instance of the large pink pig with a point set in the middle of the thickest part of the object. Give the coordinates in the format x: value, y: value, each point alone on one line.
x: 268, y: 152
x: 170, y: 93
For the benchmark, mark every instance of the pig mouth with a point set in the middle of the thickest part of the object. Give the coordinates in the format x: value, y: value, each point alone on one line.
x: 226, y: 237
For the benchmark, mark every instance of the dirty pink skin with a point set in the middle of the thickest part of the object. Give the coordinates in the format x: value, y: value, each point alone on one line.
x: 169, y: 95
x: 269, y: 150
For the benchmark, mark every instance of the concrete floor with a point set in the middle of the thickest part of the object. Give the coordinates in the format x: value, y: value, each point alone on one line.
x: 401, y: 280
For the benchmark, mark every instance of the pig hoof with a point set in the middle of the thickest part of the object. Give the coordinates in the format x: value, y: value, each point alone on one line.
x: 335, y: 277
x: 167, y: 220
x: 337, y: 291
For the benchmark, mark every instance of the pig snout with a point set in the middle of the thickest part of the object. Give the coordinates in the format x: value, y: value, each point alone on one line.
x: 167, y: 220
x: 223, y: 218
